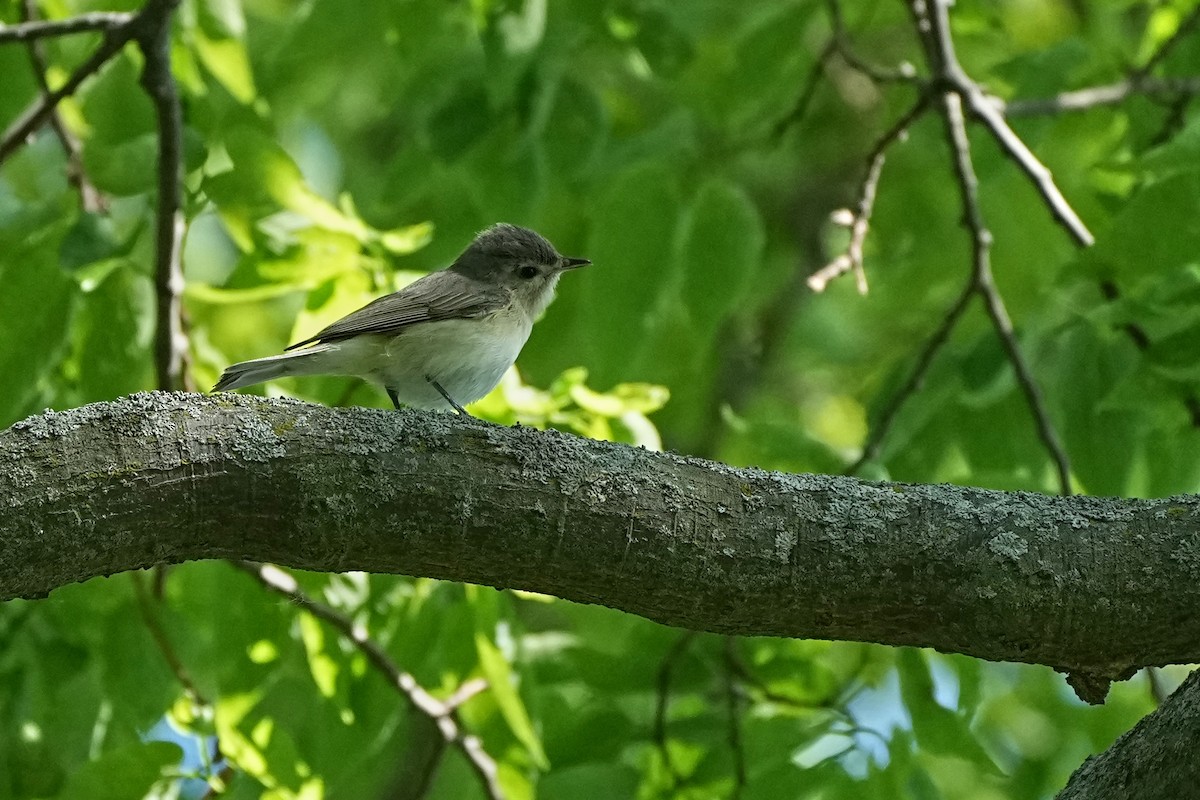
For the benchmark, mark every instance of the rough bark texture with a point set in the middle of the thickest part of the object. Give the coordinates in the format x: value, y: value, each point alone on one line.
x: 1157, y: 759
x: 1091, y: 585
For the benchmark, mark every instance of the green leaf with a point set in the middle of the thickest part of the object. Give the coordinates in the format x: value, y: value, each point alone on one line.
x: 630, y: 245
x: 35, y: 309
x: 499, y: 674
x: 500, y: 678
x: 221, y: 19
x: 1180, y: 153
x: 115, y: 329
x: 229, y: 63
x: 723, y: 241
x: 1154, y: 232
x: 937, y: 729
x: 124, y: 774
x: 406, y: 240
x: 136, y: 679
x: 323, y: 667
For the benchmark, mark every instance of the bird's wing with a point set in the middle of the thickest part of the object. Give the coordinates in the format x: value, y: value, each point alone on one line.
x: 451, y: 296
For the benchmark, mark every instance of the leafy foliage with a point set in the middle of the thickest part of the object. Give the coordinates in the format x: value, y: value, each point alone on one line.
x: 333, y: 156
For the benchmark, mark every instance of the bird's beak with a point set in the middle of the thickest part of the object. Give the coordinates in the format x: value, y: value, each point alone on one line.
x: 572, y: 263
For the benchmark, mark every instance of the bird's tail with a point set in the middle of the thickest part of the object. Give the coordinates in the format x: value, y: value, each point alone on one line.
x: 309, y: 361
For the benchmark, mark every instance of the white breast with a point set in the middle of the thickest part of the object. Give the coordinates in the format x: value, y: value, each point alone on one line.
x: 466, y: 357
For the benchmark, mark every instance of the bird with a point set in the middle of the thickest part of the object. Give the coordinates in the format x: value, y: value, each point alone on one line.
x: 443, y: 341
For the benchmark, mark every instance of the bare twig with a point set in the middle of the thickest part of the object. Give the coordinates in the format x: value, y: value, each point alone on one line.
x: 838, y: 44
x: 902, y: 73
x: 182, y: 676
x: 916, y: 379
x: 39, y: 111
x: 1097, y: 96
x: 960, y: 144
x: 736, y: 746
x: 808, y: 90
x: 441, y: 714
x: 89, y: 196
x: 170, y: 341
x: 414, y: 774
x: 81, y: 23
x: 677, y: 649
x: 163, y: 642
x: 151, y: 28
x: 1139, y: 82
x: 859, y: 220
x: 933, y: 30
x: 934, y: 25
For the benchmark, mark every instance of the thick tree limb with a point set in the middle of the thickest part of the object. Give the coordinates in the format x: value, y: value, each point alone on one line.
x: 1092, y: 585
x: 1155, y: 759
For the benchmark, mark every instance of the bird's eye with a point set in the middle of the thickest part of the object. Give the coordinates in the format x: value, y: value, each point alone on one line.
x: 527, y: 272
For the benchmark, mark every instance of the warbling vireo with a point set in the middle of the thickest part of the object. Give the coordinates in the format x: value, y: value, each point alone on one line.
x: 444, y: 340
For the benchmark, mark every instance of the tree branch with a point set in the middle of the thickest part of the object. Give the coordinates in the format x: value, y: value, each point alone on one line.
x: 1084, y: 584
x: 441, y: 714
x: 170, y: 341
x: 1098, y: 96
x: 151, y: 29
x: 985, y: 285
x: 89, y: 196
x: 1155, y: 759
x: 859, y: 220
x: 934, y: 28
x: 30, y: 30
x: 916, y: 379
x: 41, y: 108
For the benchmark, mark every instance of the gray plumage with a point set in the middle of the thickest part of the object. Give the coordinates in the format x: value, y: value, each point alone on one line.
x: 445, y: 339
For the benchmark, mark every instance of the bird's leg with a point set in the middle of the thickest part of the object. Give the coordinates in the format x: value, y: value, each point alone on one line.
x: 395, y: 399
x: 449, y: 399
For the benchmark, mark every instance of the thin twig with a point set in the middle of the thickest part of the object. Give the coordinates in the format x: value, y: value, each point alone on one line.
x: 733, y: 704
x: 677, y: 649
x: 81, y: 23
x: 838, y: 44
x: 859, y: 220
x: 441, y: 714
x: 1139, y: 82
x: 89, y: 196
x: 944, y: 61
x: 1097, y: 96
x: 170, y: 340
x: 832, y: 702
x: 39, y: 111
x: 902, y: 73
x: 151, y: 28
x: 981, y: 237
x: 163, y: 642
x: 415, y: 773
x: 916, y: 379
x: 808, y: 90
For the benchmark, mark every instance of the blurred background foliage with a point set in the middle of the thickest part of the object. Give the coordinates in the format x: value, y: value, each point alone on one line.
x: 336, y: 151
